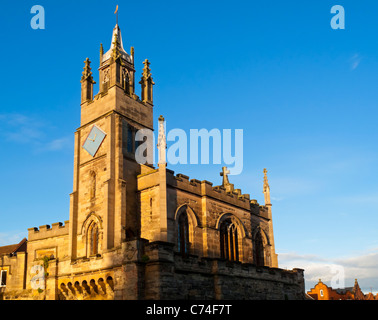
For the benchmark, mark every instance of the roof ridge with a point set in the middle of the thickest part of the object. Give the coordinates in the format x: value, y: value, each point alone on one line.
x: 12, y: 247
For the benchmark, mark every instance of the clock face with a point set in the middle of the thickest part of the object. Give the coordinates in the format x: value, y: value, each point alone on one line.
x: 94, y: 140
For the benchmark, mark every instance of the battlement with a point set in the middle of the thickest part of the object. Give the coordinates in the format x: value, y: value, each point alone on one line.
x: 203, y: 188
x: 46, y: 231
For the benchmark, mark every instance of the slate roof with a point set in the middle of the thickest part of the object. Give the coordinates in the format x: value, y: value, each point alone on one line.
x: 11, y: 249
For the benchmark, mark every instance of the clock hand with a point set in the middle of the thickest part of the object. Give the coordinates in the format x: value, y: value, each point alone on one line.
x: 93, y: 138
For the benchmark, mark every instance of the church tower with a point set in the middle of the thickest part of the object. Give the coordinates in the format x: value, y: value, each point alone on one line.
x: 139, y: 232
x: 103, y: 204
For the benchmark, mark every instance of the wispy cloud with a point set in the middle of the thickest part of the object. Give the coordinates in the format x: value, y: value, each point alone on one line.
x: 286, y: 186
x: 345, y: 270
x: 13, y: 237
x: 23, y: 129
x: 355, y: 61
x: 360, y: 199
x: 20, y: 128
x: 56, y: 144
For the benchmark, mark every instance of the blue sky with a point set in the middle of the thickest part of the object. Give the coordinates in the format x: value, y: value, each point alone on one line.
x: 305, y: 95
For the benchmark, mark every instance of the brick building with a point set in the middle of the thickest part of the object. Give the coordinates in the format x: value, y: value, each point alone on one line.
x: 136, y: 231
x: 323, y: 292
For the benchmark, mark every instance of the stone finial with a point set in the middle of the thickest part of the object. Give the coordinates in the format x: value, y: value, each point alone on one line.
x: 147, y: 83
x: 87, y: 83
x: 132, y: 53
x: 266, y: 189
x: 101, y: 52
x: 146, y: 70
x: 87, y: 73
x: 162, y: 142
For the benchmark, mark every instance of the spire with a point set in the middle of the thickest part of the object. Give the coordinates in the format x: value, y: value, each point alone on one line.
x: 266, y: 189
x: 117, y: 66
x: 117, y: 35
x: 117, y: 45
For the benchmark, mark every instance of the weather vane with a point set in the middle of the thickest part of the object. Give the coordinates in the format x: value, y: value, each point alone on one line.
x: 116, y: 12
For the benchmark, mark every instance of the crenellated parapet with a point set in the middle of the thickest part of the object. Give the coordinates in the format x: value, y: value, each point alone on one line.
x: 46, y: 231
x: 203, y: 188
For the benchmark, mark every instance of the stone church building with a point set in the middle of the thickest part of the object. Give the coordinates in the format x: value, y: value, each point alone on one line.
x: 136, y: 231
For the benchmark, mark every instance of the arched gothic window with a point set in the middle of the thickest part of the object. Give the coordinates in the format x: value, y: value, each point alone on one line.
x: 229, y: 241
x: 183, y: 234
x: 126, y: 81
x: 258, y: 250
x: 93, y: 239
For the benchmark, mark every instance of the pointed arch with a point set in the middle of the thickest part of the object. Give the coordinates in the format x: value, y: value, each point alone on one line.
x: 186, y: 221
x: 193, y: 220
x: 91, y: 217
x: 229, y: 244
x: 260, y: 242
x: 126, y: 80
x: 183, y: 233
x: 92, y: 234
x: 93, y: 239
x: 235, y: 220
x: 231, y: 235
x: 264, y: 234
